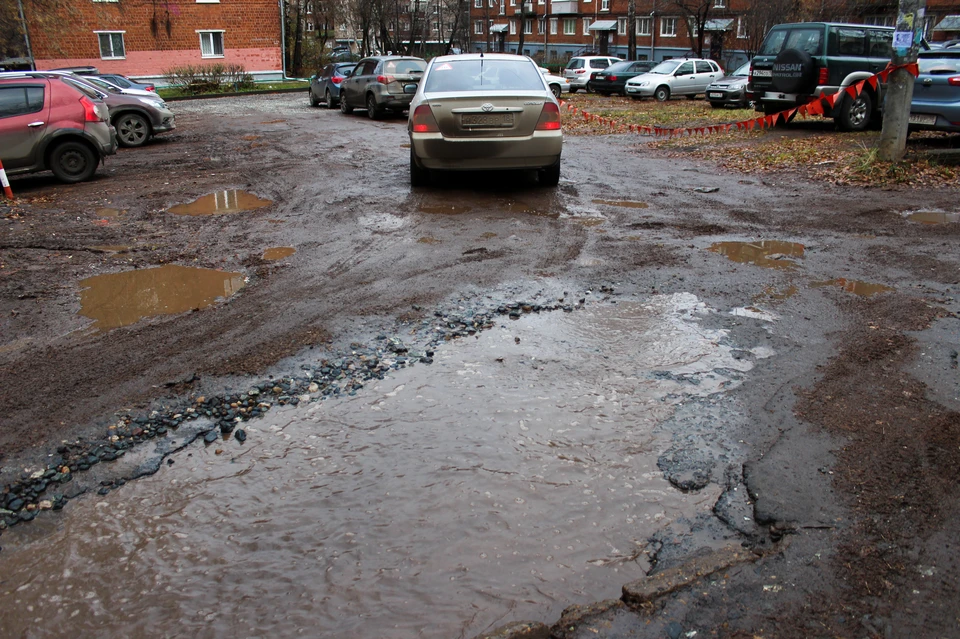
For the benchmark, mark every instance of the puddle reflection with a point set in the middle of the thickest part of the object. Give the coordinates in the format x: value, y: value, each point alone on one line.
x: 934, y: 217
x: 623, y: 203
x: 863, y: 289
x: 766, y: 253
x: 278, y: 253
x: 221, y: 202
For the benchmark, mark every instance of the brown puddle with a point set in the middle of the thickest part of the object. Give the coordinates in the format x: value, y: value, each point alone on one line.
x: 589, y: 221
x: 863, y: 289
x: 112, y: 248
x: 278, y: 253
x: 229, y: 201
x: 109, y: 212
x: 934, y: 217
x: 623, y: 203
x: 764, y: 253
x: 770, y: 293
x: 121, y: 299
x: 443, y: 209
x: 428, y: 240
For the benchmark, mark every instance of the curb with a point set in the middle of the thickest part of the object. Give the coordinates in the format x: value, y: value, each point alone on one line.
x: 234, y: 94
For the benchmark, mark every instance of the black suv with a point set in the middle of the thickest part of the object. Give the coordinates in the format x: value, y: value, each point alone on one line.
x: 798, y: 62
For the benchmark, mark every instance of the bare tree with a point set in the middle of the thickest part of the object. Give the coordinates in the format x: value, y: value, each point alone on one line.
x: 760, y: 16
x: 695, y: 13
x: 12, y: 43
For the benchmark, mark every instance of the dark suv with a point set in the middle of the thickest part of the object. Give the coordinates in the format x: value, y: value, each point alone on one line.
x: 380, y: 84
x: 798, y: 62
x: 53, y: 123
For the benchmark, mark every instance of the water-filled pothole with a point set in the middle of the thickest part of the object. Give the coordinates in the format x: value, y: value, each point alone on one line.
x: 278, y: 253
x: 120, y: 299
x: 623, y: 203
x: 766, y: 253
x: 863, y: 289
x: 109, y: 212
x: 221, y: 202
x: 934, y: 217
x: 444, y: 209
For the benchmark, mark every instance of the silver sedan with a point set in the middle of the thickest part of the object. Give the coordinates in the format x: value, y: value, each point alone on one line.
x: 489, y: 111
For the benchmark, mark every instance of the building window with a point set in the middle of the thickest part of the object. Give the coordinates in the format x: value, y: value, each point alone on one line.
x: 111, y: 45
x: 478, y: 27
x: 621, y: 26
x: 490, y: 4
x: 643, y: 26
x: 586, y: 26
x: 569, y: 26
x: 541, y: 2
x: 541, y: 25
x: 719, y: 4
x: 528, y: 26
x: 513, y: 27
x: 308, y: 27
x: 553, y: 26
x: 478, y: 4
x: 668, y: 27
x: 211, y: 44
x: 503, y: 8
x: 604, y: 5
x: 741, y: 28
x: 881, y: 21
x: 694, y: 27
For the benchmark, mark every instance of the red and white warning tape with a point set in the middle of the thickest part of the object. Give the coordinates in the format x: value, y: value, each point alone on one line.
x: 817, y: 106
x: 6, y: 183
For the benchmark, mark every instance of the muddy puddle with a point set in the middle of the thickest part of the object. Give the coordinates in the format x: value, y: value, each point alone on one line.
x: 767, y: 253
x: 120, y: 299
x: 934, y: 217
x: 514, y: 476
x: 863, y: 289
x: 623, y: 204
x: 221, y: 202
x: 278, y: 253
x: 108, y: 212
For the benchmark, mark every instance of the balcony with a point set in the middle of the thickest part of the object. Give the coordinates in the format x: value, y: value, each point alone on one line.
x: 565, y: 7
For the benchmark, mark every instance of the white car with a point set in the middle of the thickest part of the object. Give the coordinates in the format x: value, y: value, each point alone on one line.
x: 580, y: 69
x: 556, y: 83
x: 682, y: 76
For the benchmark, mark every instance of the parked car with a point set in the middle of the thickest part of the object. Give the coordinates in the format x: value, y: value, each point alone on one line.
x: 936, y: 91
x: 326, y: 85
x: 136, y: 118
x: 484, y: 112
x: 558, y: 84
x: 684, y: 76
x: 800, y: 61
x: 380, y: 84
x: 731, y: 89
x: 110, y: 87
x: 580, y: 69
x: 614, y: 78
x: 50, y: 123
x: 124, y: 82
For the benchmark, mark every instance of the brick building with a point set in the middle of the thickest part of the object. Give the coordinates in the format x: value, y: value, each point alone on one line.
x: 555, y: 30
x: 142, y: 39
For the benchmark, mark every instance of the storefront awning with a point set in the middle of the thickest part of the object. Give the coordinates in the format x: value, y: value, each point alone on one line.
x: 499, y: 28
x: 950, y: 23
x: 603, y: 25
x: 718, y: 24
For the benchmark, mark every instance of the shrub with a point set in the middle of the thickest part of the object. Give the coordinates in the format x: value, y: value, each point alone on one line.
x: 209, y: 78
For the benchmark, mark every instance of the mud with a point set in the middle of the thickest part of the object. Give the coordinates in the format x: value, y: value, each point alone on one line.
x: 830, y: 458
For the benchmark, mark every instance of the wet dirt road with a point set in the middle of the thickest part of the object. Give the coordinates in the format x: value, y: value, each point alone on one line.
x: 830, y: 319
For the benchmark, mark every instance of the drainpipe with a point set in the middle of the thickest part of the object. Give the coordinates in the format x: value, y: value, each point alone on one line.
x: 26, y: 36
x: 653, y: 35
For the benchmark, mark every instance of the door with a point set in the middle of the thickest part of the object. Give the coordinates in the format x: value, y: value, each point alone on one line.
x: 22, y: 124
x: 351, y: 89
x: 707, y: 73
x: 684, y: 79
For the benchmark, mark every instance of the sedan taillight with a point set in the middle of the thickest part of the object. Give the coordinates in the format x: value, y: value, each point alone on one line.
x: 385, y: 79
x: 549, y: 117
x: 954, y: 81
x: 424, y: 122
x: 336, y: 79
x: 612, y: 78
x: 89, y: 110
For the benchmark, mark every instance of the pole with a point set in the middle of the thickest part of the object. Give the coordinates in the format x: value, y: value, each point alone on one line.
x: 632, y: 30
x: 899, y: 93
x: 26, y: 37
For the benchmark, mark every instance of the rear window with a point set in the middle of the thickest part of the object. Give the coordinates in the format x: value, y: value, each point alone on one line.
x: 619, y: 66
x: 845, y: 41
x: 599, y: 64
x: 809, y: 40
x: 404, y: 66
x: 84, y: 89
x: 575, y: 64
x: 484, y: 75
x: 940, y: 62
x: 20, y: 100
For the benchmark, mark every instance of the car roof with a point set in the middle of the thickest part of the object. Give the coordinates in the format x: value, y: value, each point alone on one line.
x: 830, y: 24
x: 483, y: 56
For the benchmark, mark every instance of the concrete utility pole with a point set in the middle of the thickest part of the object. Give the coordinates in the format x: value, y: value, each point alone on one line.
x: 896, y: 108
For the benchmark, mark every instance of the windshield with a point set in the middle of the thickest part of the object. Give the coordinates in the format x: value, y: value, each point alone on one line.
x: 106, y: 86
x: 665, y: 68
x: 484, y: 75
x: 743, y: 71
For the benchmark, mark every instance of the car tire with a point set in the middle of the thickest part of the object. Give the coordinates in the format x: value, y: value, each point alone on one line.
x: 345, y: 108
x: 662, y: 94
x: 133, y: 130
x: 555, y: 90
x: 855, y: 113
x: 692, y: 96
x: 73, y: 161
x: 419, y: 176
x: 549, y: 176
x: 372, y: 111
x: 574, y: 89
x: 314, y: 102
x: 717, y: 105
x: 328, y: 99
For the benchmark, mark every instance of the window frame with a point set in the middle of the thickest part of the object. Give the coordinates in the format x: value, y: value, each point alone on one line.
x: 641, y: 21
x: 478, y: 26
x: 202, y: 32
x: 123, y: 45
x: 741, y: 28
x: 554, y: 25
x: 586, y: 25
x: 570, y: 26
x: 25, y: 88
x: 719, y: 4
x: 668, y: 20
x: 621, y: 26
x: 528, y: 26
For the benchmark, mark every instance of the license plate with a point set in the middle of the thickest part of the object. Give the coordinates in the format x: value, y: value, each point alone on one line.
x: 487, y: 119
x: 920, y: 118
x: 762, y: 73
x: 714, y: 95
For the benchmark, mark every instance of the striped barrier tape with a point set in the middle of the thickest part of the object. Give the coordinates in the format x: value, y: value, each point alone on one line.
x: 816, y: 106
x: 6, y: 183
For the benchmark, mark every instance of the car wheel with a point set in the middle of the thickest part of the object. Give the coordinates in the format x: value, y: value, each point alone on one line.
x: 372, y: 112
x: 419, y: 176
x: 555, y: 90
x: 717, y: 105
x: 328, y: 99
x: 345, y: 108
x: 692, y: 96
x: 314, y: 102
x: 574, y: 89
x: 662, y: 94
x: 549, y: 176
x: 132, y: 129
x: 73, y: 162
x: 855, y: 113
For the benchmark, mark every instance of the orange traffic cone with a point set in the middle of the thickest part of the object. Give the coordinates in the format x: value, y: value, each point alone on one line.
x: 6, y: 183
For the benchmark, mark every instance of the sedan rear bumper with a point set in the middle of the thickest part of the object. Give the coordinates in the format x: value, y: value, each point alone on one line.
x: 540, y: 150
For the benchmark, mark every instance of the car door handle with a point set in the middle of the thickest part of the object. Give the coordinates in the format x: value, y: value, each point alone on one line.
x: 36, y: 124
